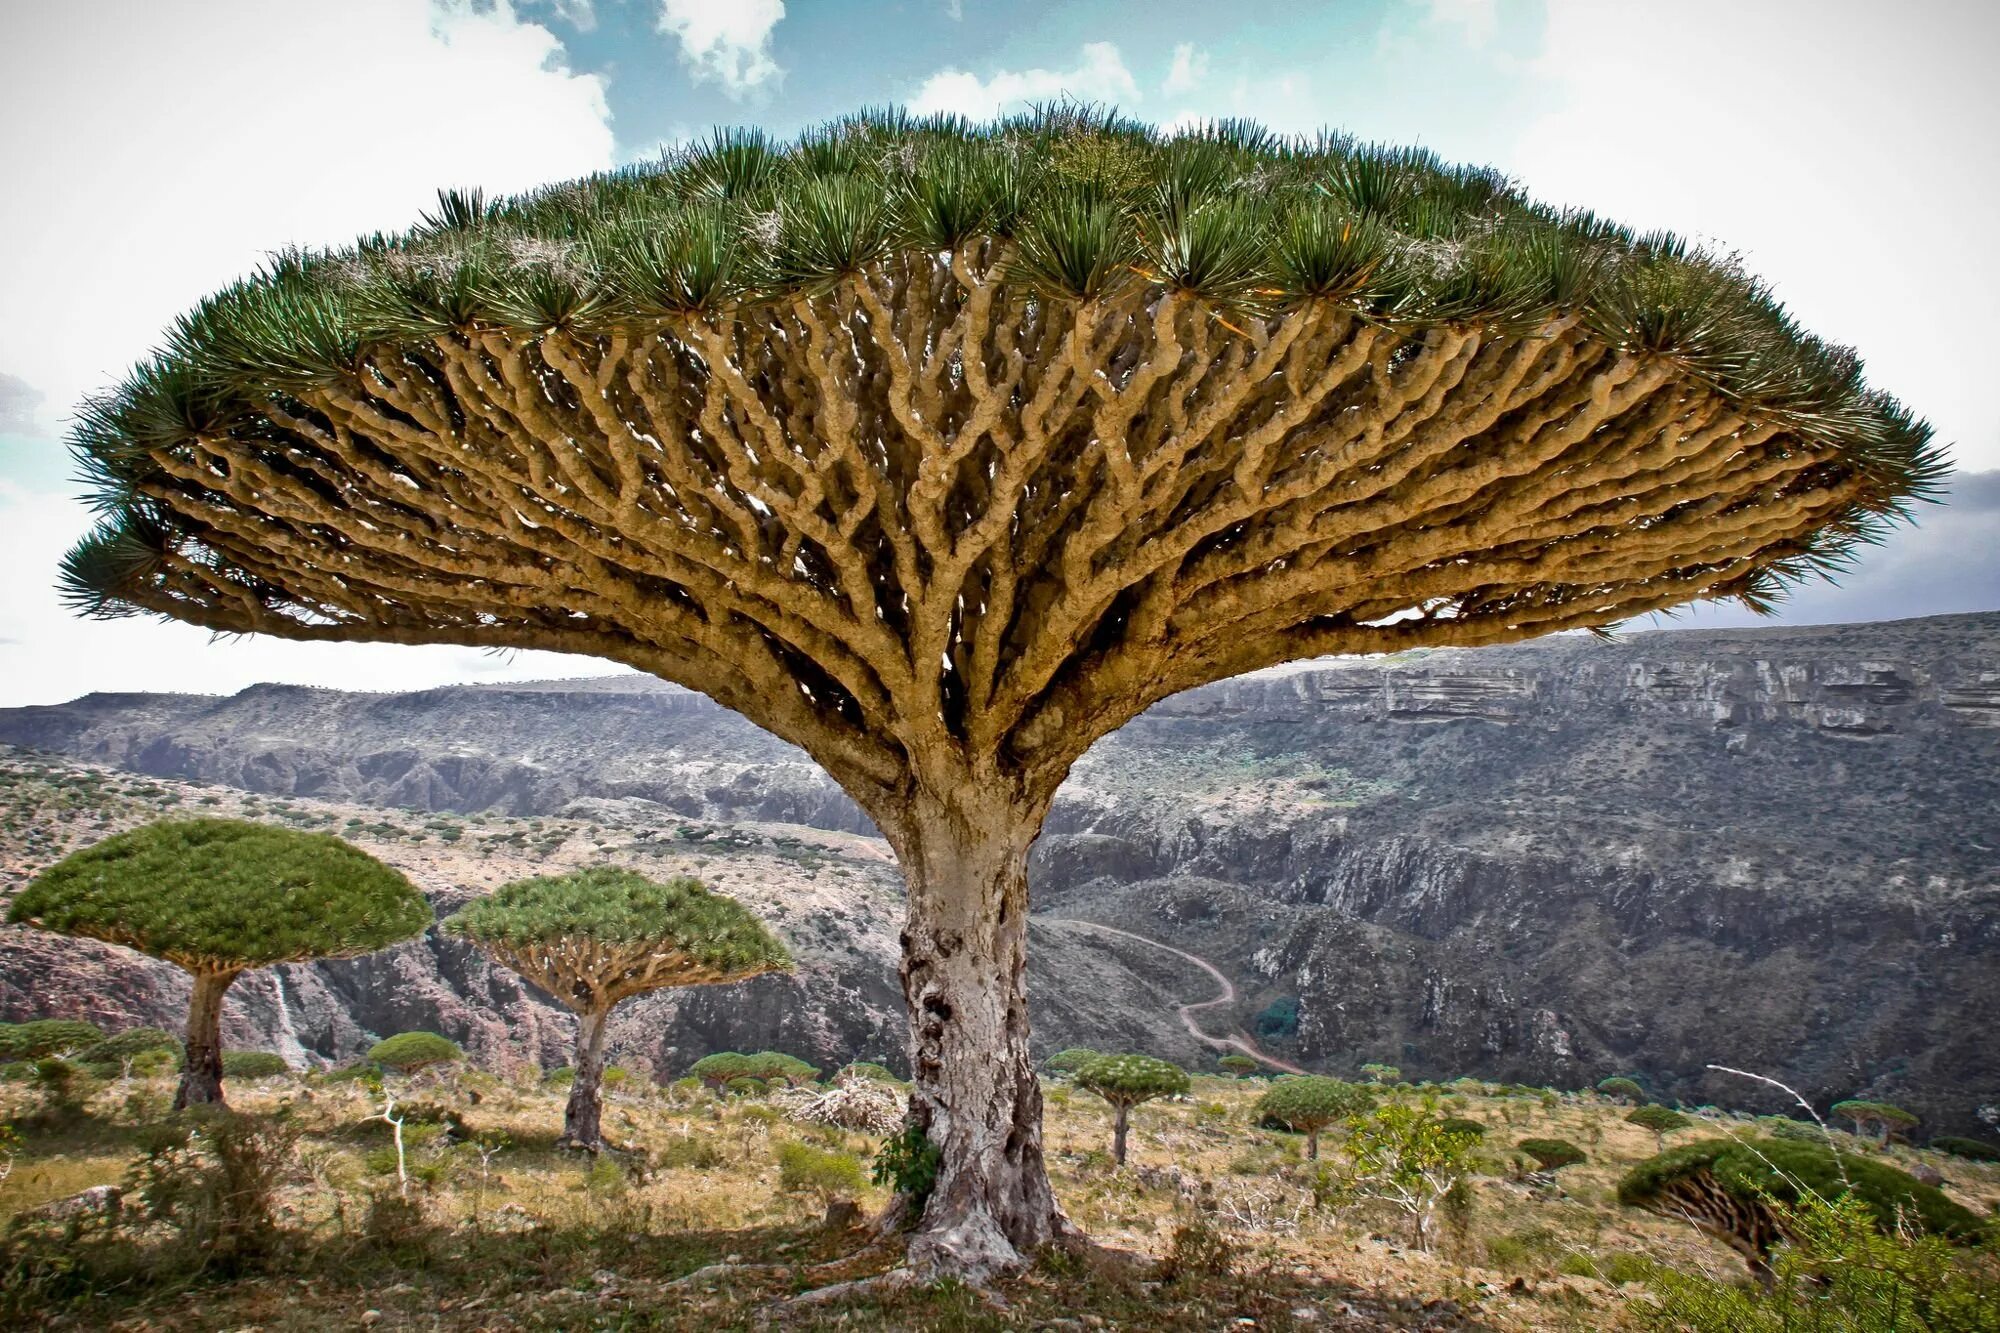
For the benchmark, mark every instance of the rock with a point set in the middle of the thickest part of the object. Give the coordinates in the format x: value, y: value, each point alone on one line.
x: 98, y: 1203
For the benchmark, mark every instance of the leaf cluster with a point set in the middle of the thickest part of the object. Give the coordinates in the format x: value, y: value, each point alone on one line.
x: 1659, y: 1119
x: 723, y: 1067
x: 1073, y: 204
x: 408, y: 1052
x: 1128, y: 1080
x: 603, y: 905
x: 225, y: 894
x: 47, y: 1036
x: 1309, y: 1103
x: 822, y: 1172
x: 1784, y: 1171
x: 1552, y: 1154
x: 1622, y: 1087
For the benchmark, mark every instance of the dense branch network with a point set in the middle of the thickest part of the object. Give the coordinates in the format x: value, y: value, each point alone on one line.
x: 930, y: 516
x: 913, y: 514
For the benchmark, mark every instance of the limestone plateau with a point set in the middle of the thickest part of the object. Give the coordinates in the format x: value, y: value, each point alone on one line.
x: 1776, y: 849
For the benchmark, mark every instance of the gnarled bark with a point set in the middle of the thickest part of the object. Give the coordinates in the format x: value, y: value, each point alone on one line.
x: 201, y: 1072
x: 974, y: 1089
x: 583, y: 1117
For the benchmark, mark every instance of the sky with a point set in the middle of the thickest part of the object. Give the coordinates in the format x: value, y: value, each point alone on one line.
x: 153, y: 150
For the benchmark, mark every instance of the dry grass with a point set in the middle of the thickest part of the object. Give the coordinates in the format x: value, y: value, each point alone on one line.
x: 533, y: 1238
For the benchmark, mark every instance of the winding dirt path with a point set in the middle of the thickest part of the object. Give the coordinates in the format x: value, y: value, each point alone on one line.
x: 1240, y: 1041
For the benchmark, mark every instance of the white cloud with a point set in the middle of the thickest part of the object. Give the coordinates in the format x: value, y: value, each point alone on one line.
x: 1188, y: 70
x: 1841, y: 145
x: 579, y: 14
x: 1100, y: 75
x: 728, y: 41
x: 1475, y: 21
x: 179, y: 144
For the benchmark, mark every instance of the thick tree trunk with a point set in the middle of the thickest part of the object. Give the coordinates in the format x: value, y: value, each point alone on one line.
x: 974, y: 1090
x: 201, y: 1073
x: 582, y: 1118
x: 1118, y: 1128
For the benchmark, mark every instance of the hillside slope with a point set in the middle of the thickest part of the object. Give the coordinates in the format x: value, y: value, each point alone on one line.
x: 1773, y: 849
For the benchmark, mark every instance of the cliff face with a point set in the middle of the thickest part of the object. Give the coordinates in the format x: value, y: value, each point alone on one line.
x: 1771, y: 849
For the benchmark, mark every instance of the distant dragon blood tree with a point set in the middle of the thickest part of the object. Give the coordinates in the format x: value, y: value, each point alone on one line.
x: 596, y: 937
x: 217, y: 897
x: 942, y: 450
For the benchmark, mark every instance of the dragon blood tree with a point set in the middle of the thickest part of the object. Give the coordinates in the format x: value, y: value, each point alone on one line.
x: 593, y: 938
x: 941, y: 450
x: 217, y: 897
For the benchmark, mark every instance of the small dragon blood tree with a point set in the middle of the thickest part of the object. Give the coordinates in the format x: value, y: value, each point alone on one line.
x: 1742, y: 1191
x: 217, y: 897
x: 940, y: 450
x: 596, y: 937
x: 1127, y: 1081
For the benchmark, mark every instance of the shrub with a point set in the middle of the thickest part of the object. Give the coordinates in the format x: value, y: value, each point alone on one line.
x: 828, y: 1176
x: 744, y: 1086
x: 1381, y: 1074
x: 1237, y: 1066
x: 1197, y: 1251
x: 1280, y: 1018
x: 1839, y: 1272
x: 907, y: 1163
x: 560, y: 1077
x: 1308, y: 1104
x: 1552, y: 1154
x: 1972, y: 1150
x: 1661, y: 1120
x: 1784, y: 1127
x: 47, y: 1036
x: 1402, y: 1155
x: 1739, y: 1191
x: 1458, y: 1124
x: 413, y: 1052
x: 777, y: 1067
x: 253, y: 1064
x: 107, y: 1058
x: 213, y: 1176
x: 861, y: 1069
x: 1126, y: 1081
x: 1622, y: 1090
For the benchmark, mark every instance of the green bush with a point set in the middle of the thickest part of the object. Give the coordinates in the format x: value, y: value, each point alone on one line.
x: 1784, y: 1127
x: 1552, y: 1154
x: 107, y: 1058
x: 560, y: 1077
x: 1972, y: 1150
x: 1661, y: 1120
x: 47, y: 1036
x: 253, y: 1064
x: 744, y: 1086
x: 717, y: 1070
x: 907, y: 1164
x: 1839, y: 1272
x: 1458, y: 1124
x: 1237, y: 1066
x: 411, y: 1052
x: 828, y: 1176
x: 1740, y: 1190
x: 1622, y: 1089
